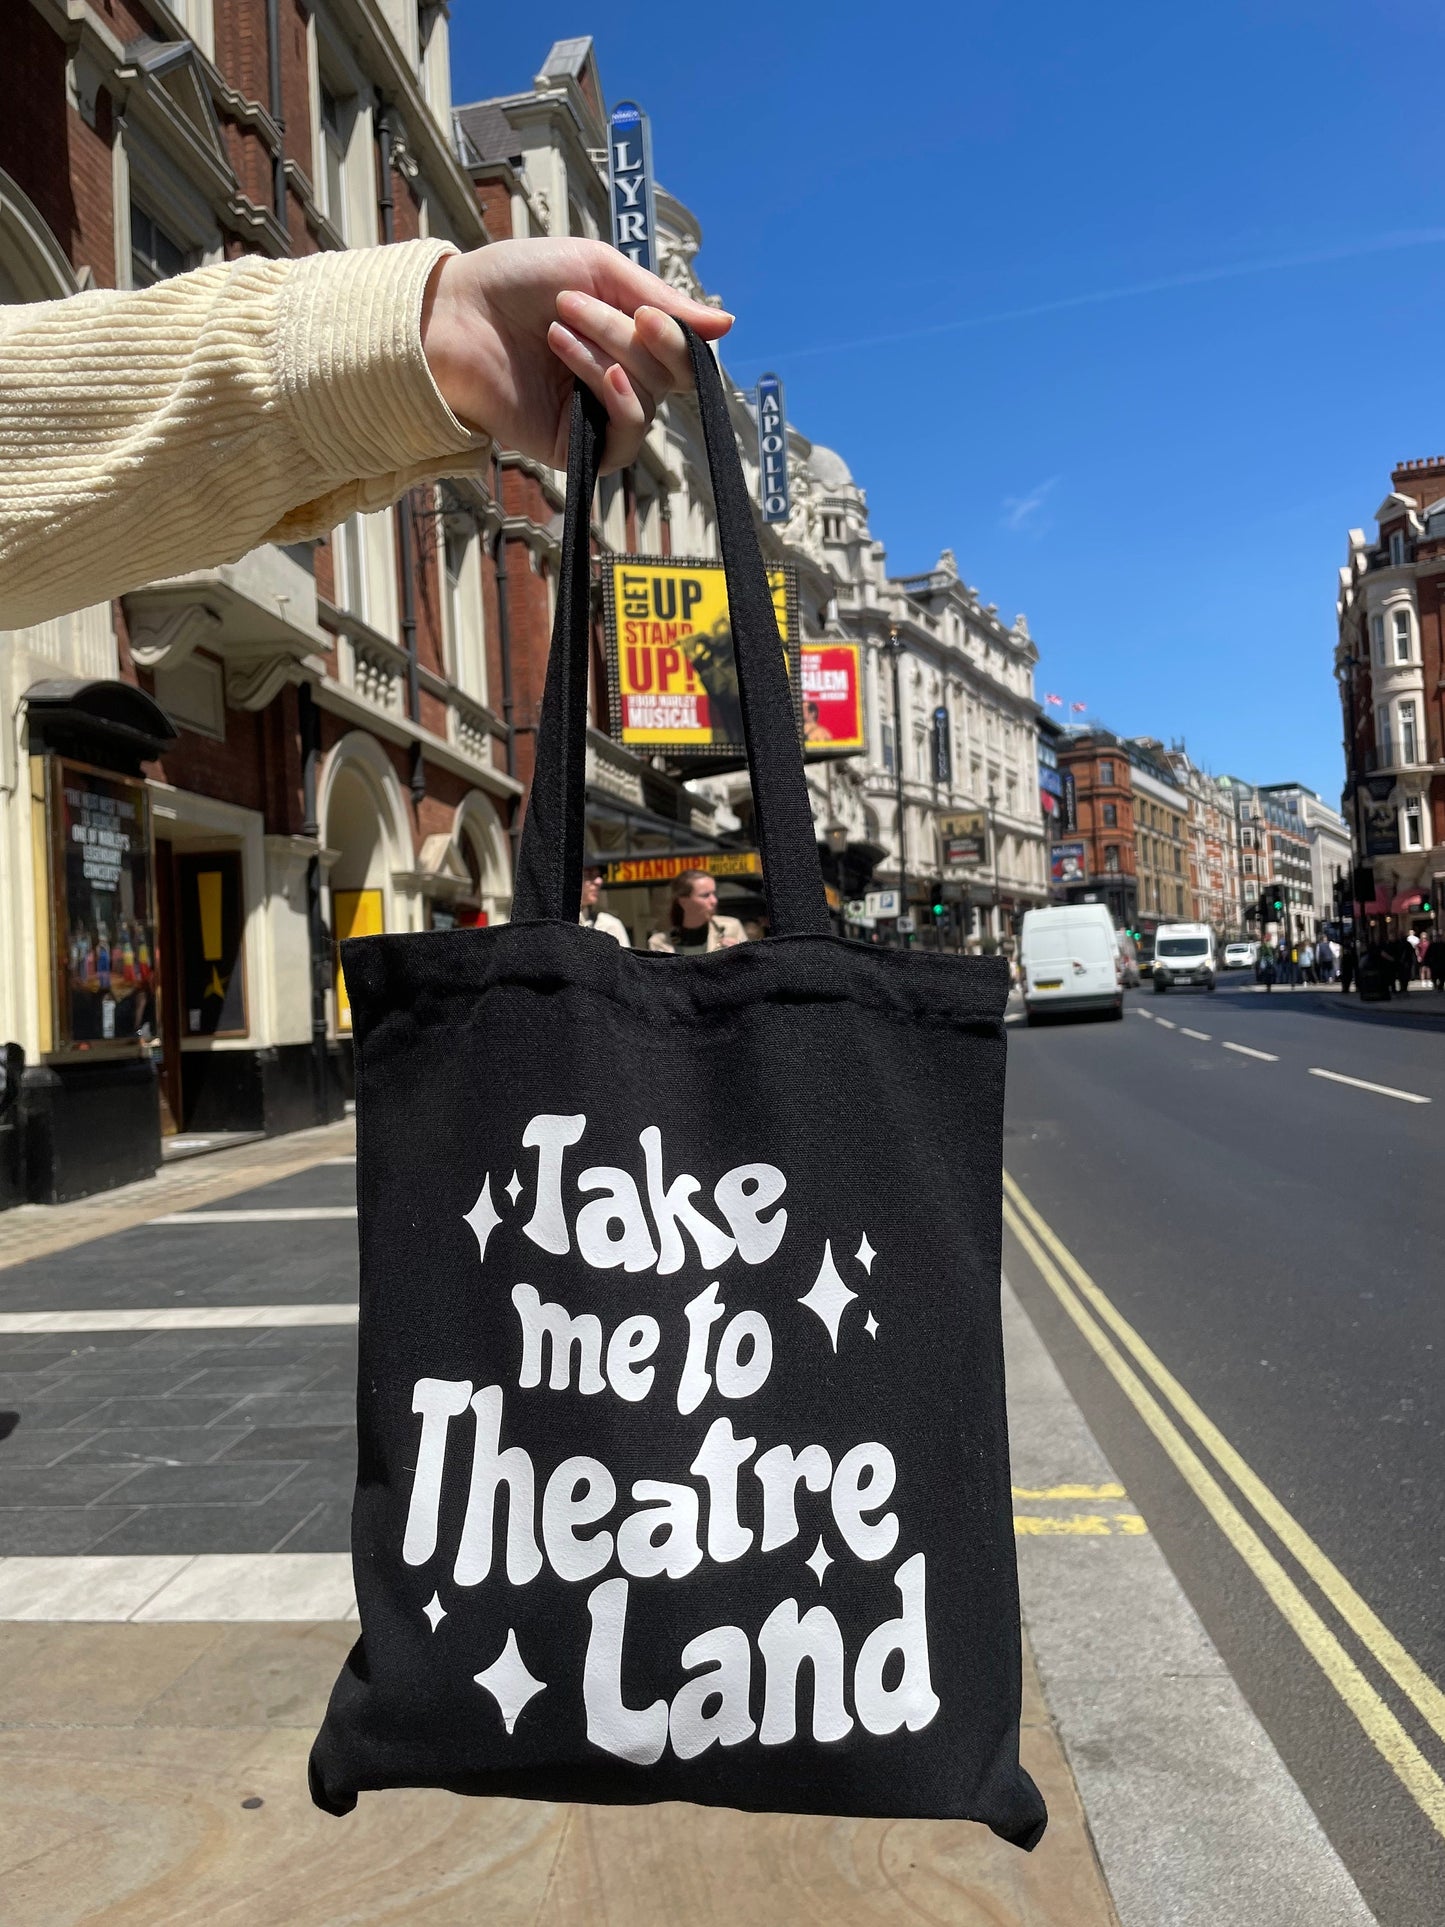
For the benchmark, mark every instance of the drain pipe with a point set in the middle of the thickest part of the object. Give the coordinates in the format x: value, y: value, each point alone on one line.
x: 316, y: 937
x: 273, y: 59
x: 387, y: 207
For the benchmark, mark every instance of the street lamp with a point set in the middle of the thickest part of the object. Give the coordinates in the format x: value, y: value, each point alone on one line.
x: 893, y: 649
x: 1350, y: 665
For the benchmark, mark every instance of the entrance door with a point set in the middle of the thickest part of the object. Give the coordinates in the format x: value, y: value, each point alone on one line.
x: 168, y: 950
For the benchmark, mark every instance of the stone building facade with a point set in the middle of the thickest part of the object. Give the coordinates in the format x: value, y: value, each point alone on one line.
x: 1389, y: 665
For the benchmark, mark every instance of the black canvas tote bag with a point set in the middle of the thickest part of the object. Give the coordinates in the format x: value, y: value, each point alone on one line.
x: 682, y: 1462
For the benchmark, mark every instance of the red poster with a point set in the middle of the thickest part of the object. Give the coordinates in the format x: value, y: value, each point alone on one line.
x: 832, y: 695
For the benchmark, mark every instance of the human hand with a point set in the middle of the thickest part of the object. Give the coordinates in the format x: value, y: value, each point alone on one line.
x: 506, y: 327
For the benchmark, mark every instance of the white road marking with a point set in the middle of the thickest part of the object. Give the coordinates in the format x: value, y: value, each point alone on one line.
x: 1013, y: 1016
x: 1360, y: 1084
x: 1166, y: 1023
x: 1202, y: 1035
x: 1144, y: 1013
x: 295, y: 1214
x: 309, y: 1586
x: 1245, y: 1050
x: 176, y: 1318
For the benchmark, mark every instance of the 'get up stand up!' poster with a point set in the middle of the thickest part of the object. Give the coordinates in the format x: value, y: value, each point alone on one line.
x: 673, y: 675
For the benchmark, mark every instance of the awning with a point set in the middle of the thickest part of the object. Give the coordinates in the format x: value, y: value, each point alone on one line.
x: 97, y: 720
x: 1399, y: 906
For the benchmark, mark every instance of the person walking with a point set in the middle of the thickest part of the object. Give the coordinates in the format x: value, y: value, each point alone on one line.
x: 1347, y: 967
x: 694, y: 924
x: 1402, y: 963
x: 1324, y: 961
x: 591, y: 917
x: 1435, y: 961
x: 1307, y: 963
x: 1268, y: 966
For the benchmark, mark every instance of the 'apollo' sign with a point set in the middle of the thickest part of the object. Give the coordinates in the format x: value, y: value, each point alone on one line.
x: 772, y: 450
x: 629, y: 180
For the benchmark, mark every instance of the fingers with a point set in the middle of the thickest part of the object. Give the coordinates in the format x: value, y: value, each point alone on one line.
x: 630, y: 407
x: 620, y: 337
x: 622, y: 283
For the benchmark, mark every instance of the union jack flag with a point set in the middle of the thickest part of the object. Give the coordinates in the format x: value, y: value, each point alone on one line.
x: 1078, y: 708
x: 1057, y: 701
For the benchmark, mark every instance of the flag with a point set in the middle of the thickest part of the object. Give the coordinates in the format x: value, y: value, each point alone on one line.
x: 1057, y: 701
x: 1078, y: 708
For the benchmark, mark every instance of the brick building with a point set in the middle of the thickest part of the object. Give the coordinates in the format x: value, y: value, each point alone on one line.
x: 1390, y: 668
x: 1095, y: 858
x: 1214, y: 869
x: 306, y: 742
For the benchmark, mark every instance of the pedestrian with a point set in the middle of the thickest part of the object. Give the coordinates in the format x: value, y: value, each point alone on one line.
x: 148, y: 432
x: 1307, y: 963
x: 593, y: 918
x: 1435, y: 960
x: 1324, y: 961
x: 693, y: 922
x: 1268, y: 968
x: 1402, y: 963
x: 1347, y: 966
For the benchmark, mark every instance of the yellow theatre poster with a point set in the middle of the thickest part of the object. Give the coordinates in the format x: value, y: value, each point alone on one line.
x: 354, y: 913
x: 672, y: 671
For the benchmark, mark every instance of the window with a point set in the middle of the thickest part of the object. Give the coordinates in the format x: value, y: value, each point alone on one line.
x: 155, y: 255
x: 1111, y: 858
x: 1106, y: 772
x: 832, y: 528
x: 1249, y: 866
x: 1409, y: 734
x: 1402, y: 635
x: 1397, y: 549
x: 333, y: 159
x: 887, y: 745
x: 1111, y: 816
x: 1382, y: 733
x: 1413, y: 834
x: 1377, y: 636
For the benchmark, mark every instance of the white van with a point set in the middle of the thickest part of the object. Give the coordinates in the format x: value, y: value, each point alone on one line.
x: 1184, y: 956
x: 1069, y: 954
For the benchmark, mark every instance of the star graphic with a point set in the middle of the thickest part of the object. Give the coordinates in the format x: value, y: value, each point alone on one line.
x: 829, y: 1297
x: 509, y: 1682
x: 514, y: 1189
x: 819, y: 1561
x: 483, y: 1217
x: 870, y: 1325
x: 435, y: 1611
x: 865, y: 1255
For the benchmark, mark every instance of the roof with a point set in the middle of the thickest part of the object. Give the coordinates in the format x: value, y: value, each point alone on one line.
x: 491, y: 134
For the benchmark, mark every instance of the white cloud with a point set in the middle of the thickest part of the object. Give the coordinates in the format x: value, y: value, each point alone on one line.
x: 1020, y: 511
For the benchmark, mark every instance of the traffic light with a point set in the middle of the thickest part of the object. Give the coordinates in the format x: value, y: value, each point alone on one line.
x: 1278, y: 895
x: 1427, y: 905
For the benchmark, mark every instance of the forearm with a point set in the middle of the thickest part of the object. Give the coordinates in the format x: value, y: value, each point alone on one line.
x: 146, y: 434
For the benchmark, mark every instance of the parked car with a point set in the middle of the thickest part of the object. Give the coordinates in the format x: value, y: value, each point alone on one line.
x: 1071, y: 961
x: 1240, y: 955
x: 1183, y: 957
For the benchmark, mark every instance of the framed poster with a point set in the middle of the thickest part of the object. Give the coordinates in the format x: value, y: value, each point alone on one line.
x: 672, y: 678
x: 832, y: 695
x: 102, y: 906
x: 354, y: 913
x: 211, y: 902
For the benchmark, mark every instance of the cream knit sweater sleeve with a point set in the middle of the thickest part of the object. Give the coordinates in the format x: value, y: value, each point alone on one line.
x: 150, y: 433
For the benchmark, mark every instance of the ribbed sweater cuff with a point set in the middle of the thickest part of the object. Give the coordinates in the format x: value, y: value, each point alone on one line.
x: 362, y: 399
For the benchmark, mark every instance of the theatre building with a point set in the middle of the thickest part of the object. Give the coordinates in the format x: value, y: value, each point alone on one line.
x: 208, y: 782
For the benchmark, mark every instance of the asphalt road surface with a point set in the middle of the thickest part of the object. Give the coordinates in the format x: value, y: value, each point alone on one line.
x: 1212, y: 1187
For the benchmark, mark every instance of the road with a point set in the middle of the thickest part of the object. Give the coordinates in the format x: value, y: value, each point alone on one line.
x: 1273, y: 1236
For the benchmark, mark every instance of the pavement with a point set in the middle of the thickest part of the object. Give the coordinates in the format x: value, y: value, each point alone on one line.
x: 175, y: 1473
x: 1223, y: 1221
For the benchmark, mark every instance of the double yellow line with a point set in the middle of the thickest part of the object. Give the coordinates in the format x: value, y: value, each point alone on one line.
x: 1096, y: 1318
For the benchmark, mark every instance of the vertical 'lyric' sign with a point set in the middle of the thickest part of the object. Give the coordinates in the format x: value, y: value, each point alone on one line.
x: 772, y: 450
x: 629, y: 181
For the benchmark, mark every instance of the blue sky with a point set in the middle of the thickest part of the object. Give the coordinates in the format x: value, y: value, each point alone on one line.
x: 1133, y: 307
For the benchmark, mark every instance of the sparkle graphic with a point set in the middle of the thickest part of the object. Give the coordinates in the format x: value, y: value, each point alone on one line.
x: 870, y: 1325
x: 829, y: 1296
x: 819, y: 1561
x: 865, y: 1255
x: 509, y: 1682
x: 435, y: 1611
x: 514, y: 1189
x: 483, y: 1217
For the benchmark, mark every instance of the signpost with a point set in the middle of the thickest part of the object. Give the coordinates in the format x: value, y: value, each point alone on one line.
x: 629, y: 185
x: 772, y: 451
x: 883, y: 903
x: 662, y: 869
x: 1066, y: 863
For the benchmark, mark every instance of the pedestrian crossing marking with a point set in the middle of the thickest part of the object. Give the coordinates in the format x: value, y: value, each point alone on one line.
x: 1081, y: 1298
x: 281, y: 1214
x: 175, y: 1318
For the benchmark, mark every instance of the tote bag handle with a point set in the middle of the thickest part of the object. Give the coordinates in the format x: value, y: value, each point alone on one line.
x: 549, y: 862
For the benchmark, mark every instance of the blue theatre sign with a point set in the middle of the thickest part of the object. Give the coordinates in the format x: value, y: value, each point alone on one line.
x: 629, y: 184
x: 772, y: 450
